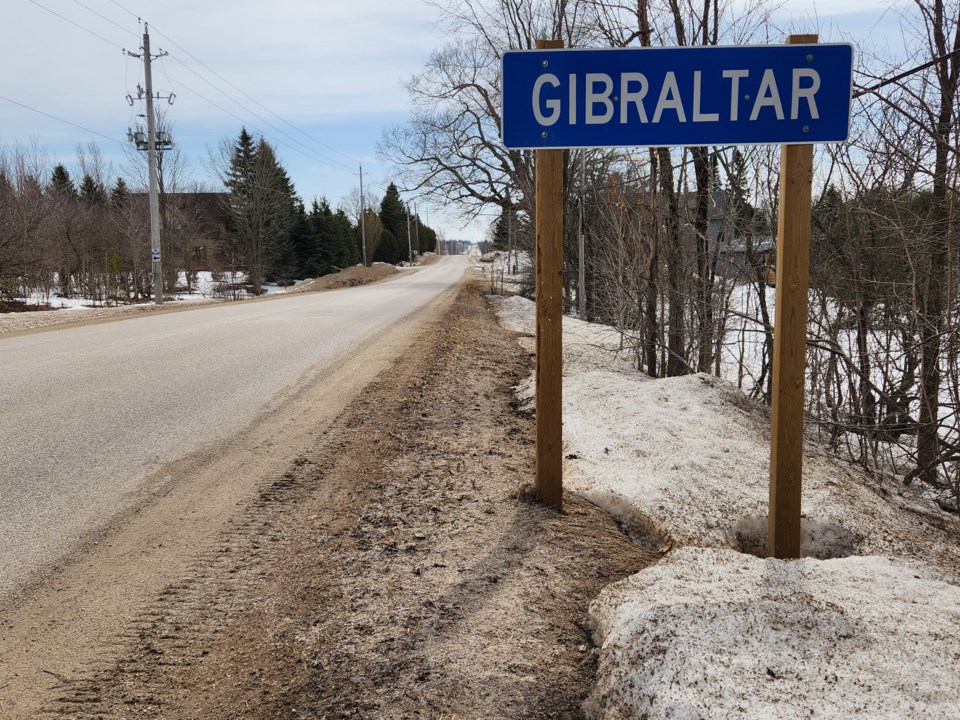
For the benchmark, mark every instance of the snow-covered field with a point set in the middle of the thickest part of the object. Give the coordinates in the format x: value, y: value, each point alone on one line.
x: 204, y: 288
x: 712, y: 632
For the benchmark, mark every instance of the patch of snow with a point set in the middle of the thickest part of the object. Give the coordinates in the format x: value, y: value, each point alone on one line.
x: 693, y: 453
x: 508, y: 271
x: 713, y: 634
x: 586, y: 346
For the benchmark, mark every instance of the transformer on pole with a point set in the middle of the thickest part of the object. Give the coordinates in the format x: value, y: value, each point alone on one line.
x: 152, y: 142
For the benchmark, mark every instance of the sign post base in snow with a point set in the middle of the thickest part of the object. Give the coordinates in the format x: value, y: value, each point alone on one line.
x: 790, y: 344
x: 549, y: 288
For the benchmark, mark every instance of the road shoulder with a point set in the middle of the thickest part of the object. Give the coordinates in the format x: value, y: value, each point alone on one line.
x: 394, y: 568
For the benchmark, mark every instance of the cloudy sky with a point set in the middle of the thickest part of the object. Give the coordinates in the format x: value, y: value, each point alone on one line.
x: 320, y: 79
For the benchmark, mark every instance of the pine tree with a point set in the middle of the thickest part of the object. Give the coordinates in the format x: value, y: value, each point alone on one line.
x: 240, y: 217
x: 501, y: 229
x: 393, y: 215
x: 306, y: 244
x: 61, y: 184
x: 743, y: 213
x: 280, y: 203
x: 388, y: 250
x: 261, y: 210
x: 324, y: 236
x: 346, y: 240
x: 428, y: 239
x: 240, y: 174
x: 92, y: 192
x: 119, y: 194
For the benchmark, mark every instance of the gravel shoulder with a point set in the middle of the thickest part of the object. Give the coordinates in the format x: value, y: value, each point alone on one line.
x: 392, y: 566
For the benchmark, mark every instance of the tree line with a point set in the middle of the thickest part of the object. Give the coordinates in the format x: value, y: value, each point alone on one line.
x: 679, y: 245
x: 272, y: 236
x: 88, y: 236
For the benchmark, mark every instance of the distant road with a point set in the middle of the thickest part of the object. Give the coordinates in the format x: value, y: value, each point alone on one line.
x: 88, y: 412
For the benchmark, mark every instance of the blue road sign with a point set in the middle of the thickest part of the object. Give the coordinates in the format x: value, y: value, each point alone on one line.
x: 744, y: 95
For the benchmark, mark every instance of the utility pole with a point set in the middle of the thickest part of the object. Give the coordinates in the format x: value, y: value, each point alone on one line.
x: 150, y: 143
x: 409, y: 240
x: 363, y: 211
x: 416, y: 225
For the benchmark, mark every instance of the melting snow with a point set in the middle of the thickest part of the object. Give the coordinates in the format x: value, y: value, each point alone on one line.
x: 713, y: 633
x: 685, y: 461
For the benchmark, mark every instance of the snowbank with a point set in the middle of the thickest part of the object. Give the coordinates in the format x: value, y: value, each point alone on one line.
x: 719, y: 634
x: 716, y: 633
x: 586, y: 346
x: 693, y: 454
x: 690, y: 457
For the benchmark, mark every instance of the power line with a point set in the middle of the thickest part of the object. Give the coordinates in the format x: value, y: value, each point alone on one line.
x: 126, y: 10
x: 307, y: 151
x: 76, y: 24
x: 316, y: 156
x: 104, y: 17
x: 251, y: 99
x: 906, y: 73
x: 259, y: 131
x: 60, y: 119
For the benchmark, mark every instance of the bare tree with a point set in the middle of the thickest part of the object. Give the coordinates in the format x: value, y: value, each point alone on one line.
x: 450, y: 149
x: 937, y: 103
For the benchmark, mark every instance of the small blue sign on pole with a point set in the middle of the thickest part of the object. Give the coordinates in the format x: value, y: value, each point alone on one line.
x: 710, y: 95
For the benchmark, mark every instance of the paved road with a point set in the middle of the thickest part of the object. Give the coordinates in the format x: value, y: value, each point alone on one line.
x: 87, y: 413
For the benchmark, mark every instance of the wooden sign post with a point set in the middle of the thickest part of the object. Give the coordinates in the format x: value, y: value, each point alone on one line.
x: 790, y: 344
x: 549, y: 288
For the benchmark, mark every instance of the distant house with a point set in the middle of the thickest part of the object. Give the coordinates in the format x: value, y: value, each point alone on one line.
x: 764, y: 252
x: 195, y: 222
x: 203, y: 225
x: 726, y: 244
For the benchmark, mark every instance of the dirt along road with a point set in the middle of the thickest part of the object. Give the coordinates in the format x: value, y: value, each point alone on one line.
x: 93, y: 414
x: 347, y: 555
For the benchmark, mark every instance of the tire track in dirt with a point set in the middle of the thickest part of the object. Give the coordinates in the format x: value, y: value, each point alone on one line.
x: 396, y: 569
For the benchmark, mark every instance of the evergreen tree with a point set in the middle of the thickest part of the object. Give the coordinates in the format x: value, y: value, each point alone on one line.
x: 280, y: 216
x: 388, y: 250
x: 281, y: 259
x: 261, y: 210
x: 393, y: 215
x: 240, y: 174
x: 428, y: 239
x: 6, y: 187
x: 744, y: 215
x: 502, y: 228
x: 61, y: 184
x: 306, y: 244
x: 92, y: 192
x: 346, y: 240
x: 240, y: 218
x: 119, y: 194
x: 322, y: 232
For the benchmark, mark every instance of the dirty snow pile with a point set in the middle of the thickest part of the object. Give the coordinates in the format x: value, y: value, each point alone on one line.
x: 713, y: 633
x: 685, y: 462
